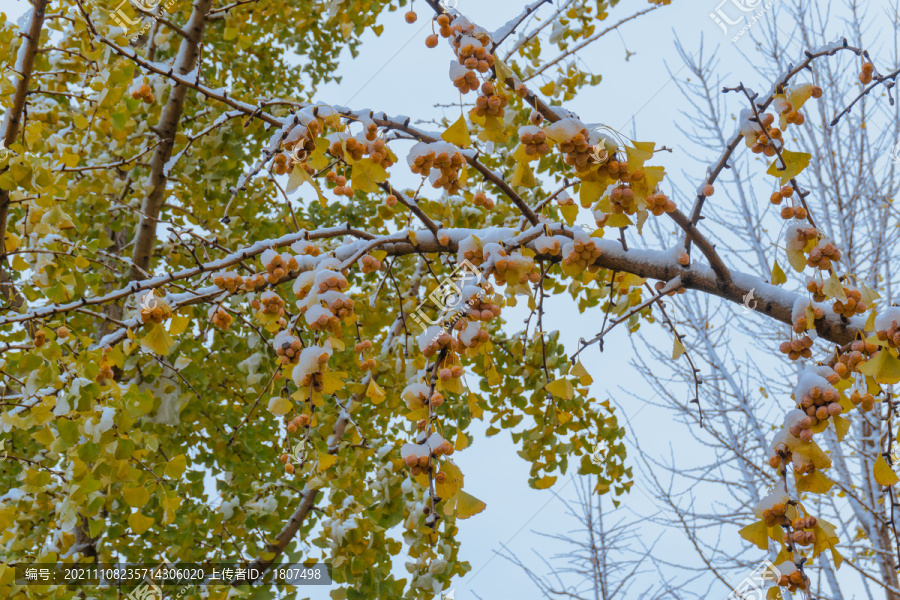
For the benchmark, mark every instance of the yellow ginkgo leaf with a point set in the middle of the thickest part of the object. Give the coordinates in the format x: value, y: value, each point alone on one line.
x: 561, y: 388
x: 136, y: 496
x: 374, y: 392
x: 757, y: 534
x: 468, y: 505
x: 139, y: 523
x: 581, y: 373
x: 884, y: 367
x: 279, y: 406
x: 545, y: 482
x: 678, y: 349
x: 326, y: 461
x: 458, y: 133
x: 794, y: 164
x: 157, y: 340
x: 884, y: 475
x: 778, y: 277
x: 176, y: 466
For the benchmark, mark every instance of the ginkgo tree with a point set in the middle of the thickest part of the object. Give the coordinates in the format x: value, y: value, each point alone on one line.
x: 173, y: 311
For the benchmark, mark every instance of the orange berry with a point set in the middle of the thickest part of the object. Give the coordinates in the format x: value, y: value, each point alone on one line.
x: 289, y: 469
x: 411, y: 17
x: 431, y: 41
x: 708, y: 190
x: 62, y: 332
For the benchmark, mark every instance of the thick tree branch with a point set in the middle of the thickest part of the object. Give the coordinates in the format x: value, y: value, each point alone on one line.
x: 186, y: 60
x: 11, y: 121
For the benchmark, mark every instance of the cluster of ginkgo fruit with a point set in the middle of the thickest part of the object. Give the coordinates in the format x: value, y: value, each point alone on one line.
x: 221, y: 319
x: 802, y: 324
x: 369, y: 264
x: 230, y: 281
x: 867, y: 72
x: 489, y: 103
x: 314, y: 379
x: 622, y: 199
x: 819, y: 404
x: 340, y: 305
x: 481, y: 308
x: 578, y: 151
x: 798, y: 347
x: 144, y: 94
x: 534, y: 142
x: 361, y: 349
x: 158, y: 313
x: 106, y: 366
x: 658, y: 203
x: 770, y: 139
x: 279, y: 266
x: 822, y: 255
x: 849, y: 361
x: 350, y: 148
x: 482, y: 199
x: 793, y: 581
x: 419, y: 464
x: 891, y: 335
x: 852, y: 306
x: 448, y: 164
x: 659, y: 285
x: 803, y: 235
x: 584, y: 254
x: 514, y: 268
x: 270, y: 303
x: 288, y: 351
x: 340, y: 182
x: 802, y: 534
